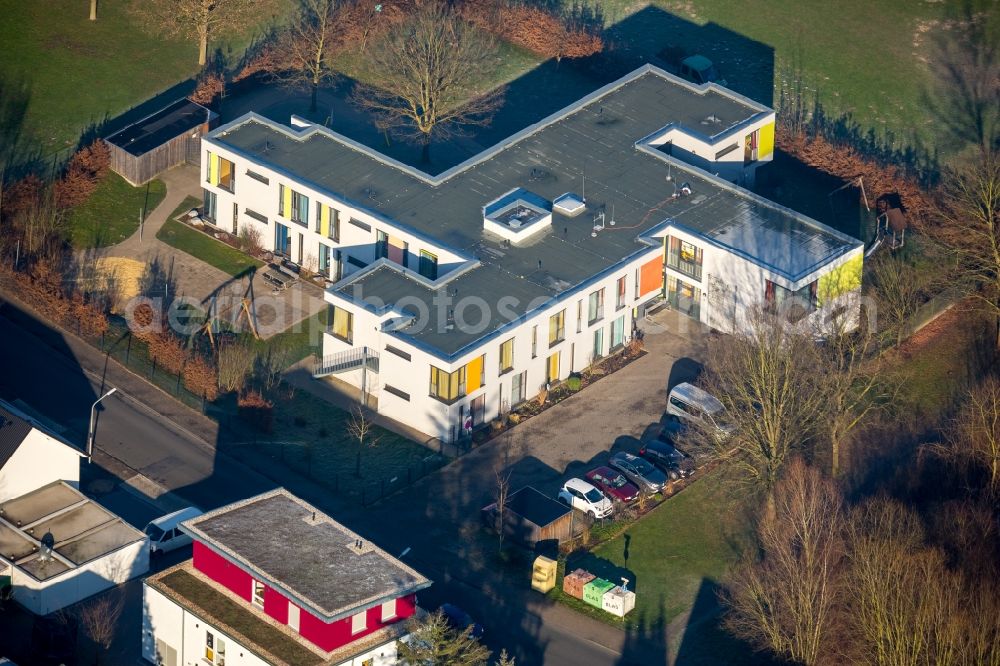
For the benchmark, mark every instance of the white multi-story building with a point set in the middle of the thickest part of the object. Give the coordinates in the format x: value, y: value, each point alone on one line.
x: 458, y: 295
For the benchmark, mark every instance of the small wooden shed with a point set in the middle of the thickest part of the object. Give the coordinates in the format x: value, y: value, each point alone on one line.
x: 533, y: 516
x: 169, y: 137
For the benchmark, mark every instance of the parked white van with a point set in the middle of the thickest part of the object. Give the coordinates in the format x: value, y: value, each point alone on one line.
x: 689, y: 404
x: 165, y: 534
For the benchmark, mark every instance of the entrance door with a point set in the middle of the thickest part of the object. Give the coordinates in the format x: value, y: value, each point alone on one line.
x: 478, y: 410
x: 684, y: 297
x: 282, y: 240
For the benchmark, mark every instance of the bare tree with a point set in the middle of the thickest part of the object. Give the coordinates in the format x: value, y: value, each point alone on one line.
x: 306, y: 47
x: 786, y: 600
x: 896, y: 290
x: 974, y: 437
x: 964, y: 64
x: 969, y: 212
x: 769, y: 381
x: 424, y: 73
x: 100, y: 619
x: 501, y: 492
x: 204, y: 18
x: 236, y: 362
x: 854, y: 385
x: 363, y: 430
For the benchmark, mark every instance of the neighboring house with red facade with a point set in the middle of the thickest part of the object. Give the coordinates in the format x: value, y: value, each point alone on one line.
x: 272, y: 580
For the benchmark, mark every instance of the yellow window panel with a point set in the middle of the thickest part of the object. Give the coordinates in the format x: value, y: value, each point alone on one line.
x: 473, y: 374
x: 554, y: 367
x: 324, y: 220
x: 213, y: 169
x: 765, y: 144
x: 286, y: 202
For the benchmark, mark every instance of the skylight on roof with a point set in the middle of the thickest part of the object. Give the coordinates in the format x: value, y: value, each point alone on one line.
x: 569, y: 204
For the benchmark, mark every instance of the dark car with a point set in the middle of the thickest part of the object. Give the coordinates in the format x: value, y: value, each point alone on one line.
x: 613, y: 483
x: 667, y: 457
x: 460, y: 620
x: 639, y: 471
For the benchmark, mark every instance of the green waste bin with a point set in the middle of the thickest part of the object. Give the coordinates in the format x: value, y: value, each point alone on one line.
x: 593, y: 592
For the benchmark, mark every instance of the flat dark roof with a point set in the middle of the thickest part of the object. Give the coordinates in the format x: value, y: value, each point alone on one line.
x: 536, y: 507
x: 298, y: 549
x: 589, y: 148
x: 153, y: 131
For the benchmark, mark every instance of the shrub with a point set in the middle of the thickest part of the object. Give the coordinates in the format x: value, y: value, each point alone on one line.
x: 533, y: 28
x: 236, y: 361
x: 256, y: 410
x: 574, y: 383
x: 251, y: 240
x: 167, y: 350
x: 83, y: 174
x: 209, y: 86
x: 201, y: 378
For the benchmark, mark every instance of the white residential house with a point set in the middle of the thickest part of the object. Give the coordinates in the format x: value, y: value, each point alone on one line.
x: 458, y: 295
x: 57, y: 547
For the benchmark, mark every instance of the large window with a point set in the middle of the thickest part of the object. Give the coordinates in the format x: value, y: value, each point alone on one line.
x: 210, y: 210
x: 518, y: 388
x: 325, y: 254
x: 557, y: 328
x: 428, y: 265
x: 791, y: 304
x: 507, y: 356
x: 534, y: 341
x: 343, y: 325
x: 552, y: 368
x: 620, y: 299
x: 598, y: 351
x: 282, y: 240
x: 227, y: 175
x: 684, y: 257
x: 293, y: 206
x: 618, y: 332
x: 447, y: 386
x: 359, y: 622
x: 595, y: 306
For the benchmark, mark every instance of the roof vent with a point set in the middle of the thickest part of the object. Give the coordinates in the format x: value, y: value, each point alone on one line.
x: 569, y: 204
x: 517, y: 215
x: 711, y: 120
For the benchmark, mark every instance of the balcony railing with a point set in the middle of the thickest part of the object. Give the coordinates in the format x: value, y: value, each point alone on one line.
x: 690, y: 268
x: 345, y: 361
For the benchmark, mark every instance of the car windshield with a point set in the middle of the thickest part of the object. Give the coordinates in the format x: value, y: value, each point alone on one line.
x: 642, y: 467
x: 617, y: 482
x: 154, y: 532
x: 593, y: 495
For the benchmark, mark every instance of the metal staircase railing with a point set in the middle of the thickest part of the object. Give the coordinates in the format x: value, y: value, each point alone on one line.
x: 345, y: 361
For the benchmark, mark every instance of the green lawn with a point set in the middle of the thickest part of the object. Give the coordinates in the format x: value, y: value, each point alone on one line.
x: 202, y: 246
x: 112, y: 213
x: 674, y: 553
x: 857, y: 56
x: 184, y: 206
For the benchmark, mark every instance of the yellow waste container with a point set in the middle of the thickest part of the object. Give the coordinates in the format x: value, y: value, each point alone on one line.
x: 543, y: 576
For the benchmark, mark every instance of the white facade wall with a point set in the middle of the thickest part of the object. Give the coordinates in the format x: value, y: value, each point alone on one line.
x: 436, y: 418
x: 263, y: 199
x: 38, y: 461
x: 171, y: 631
x: 43, y: 597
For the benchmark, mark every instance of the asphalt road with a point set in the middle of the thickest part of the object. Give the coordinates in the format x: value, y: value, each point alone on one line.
x: 46, y: 376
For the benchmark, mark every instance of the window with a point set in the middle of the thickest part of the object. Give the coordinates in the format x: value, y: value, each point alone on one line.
x: 293, y: 616
x: 620, y: 301
x: 359, y: 622
x: 684, y: 257
x: 552, y: 369
x: 534, y: 341
x: 256, y: 216
x: 448, y: 386
x: 324, y: 260
x: 293, y: 206
x: 282, y: 240
x: 507, y: 356
x: 618, y: 332
x: 428, y: 265
x: 391, y: 248
x: 396, y: 392
x: 256, y: 176
x: 258, y: 594
x: 636, y: 294
x: 227, y: 175
x: 557, y: 329
x: 343, y: 325
x: 791, y: 304
x: 398, y: 352
x: 579, y: 316
x: 598, y: 343
x: 725, y: 151
x: 215, y: 649
x: 209, y: 211
x: 389, y: 610
x: 595, y: 306
x: 750, y: 147
x: 517, y: 388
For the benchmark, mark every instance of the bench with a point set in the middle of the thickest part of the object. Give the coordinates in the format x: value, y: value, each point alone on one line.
x: 278, y: 278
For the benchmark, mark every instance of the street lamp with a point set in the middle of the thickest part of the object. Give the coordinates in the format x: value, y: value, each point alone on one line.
x: 90, y: 428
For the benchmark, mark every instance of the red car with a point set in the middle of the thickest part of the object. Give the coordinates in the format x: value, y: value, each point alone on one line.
x: 613, y: 483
